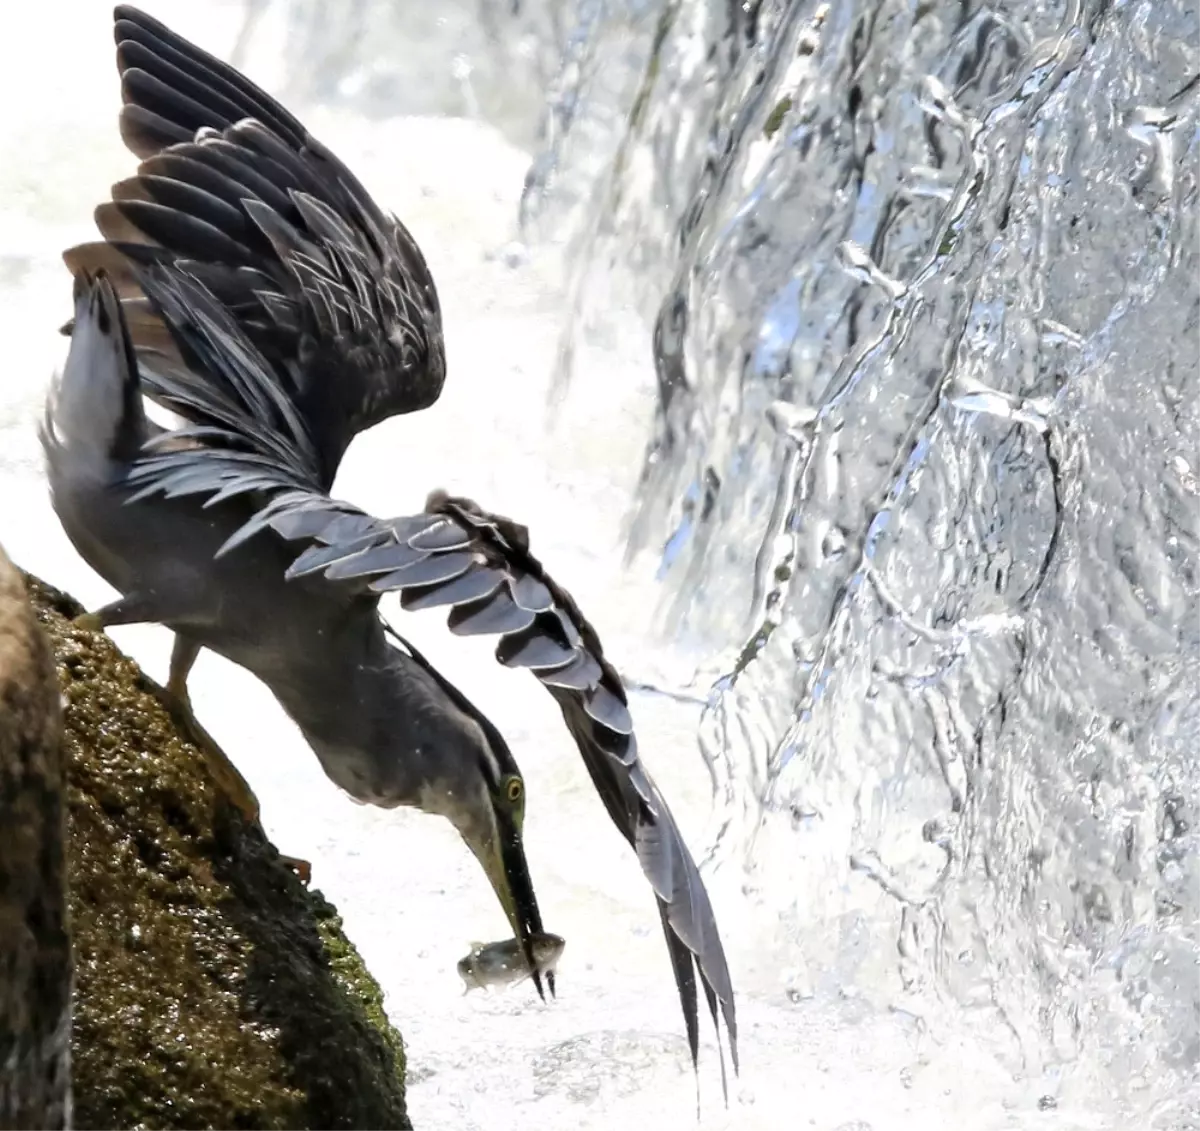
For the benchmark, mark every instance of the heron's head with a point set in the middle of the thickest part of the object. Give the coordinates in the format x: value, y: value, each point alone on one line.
x: 469, y: 776
x: 488, y: 809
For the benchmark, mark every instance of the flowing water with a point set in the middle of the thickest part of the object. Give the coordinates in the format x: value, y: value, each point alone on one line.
x: 843, y: 359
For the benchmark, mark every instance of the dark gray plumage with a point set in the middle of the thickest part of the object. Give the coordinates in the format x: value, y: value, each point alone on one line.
x: 266, y: 300
x: 326, y: 285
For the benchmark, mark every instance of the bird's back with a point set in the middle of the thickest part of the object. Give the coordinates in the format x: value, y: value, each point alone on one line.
x: 238, y: 604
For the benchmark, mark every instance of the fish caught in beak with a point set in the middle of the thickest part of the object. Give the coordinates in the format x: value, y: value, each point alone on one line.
x: 499, y: 965
x: 501, y: 851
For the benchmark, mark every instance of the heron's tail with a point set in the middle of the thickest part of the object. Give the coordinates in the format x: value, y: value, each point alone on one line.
x: 95, y: 422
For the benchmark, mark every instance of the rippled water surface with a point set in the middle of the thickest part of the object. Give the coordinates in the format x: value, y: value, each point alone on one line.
x: 844, y: 360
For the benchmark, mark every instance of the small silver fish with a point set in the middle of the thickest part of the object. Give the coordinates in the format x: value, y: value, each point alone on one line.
x: 501, y: 964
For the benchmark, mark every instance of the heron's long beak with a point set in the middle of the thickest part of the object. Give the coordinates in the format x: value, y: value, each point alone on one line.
x: 502, y: 855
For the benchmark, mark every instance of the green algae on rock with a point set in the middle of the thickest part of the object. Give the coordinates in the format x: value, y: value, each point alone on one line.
x: 212, y: 988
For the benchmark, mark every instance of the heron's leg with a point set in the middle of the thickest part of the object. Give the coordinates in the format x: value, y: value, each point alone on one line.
x: 136, y: 608
x: 133, y: 608
x: 227, y: 776
x: 224, y: 772
x: 183, y: 658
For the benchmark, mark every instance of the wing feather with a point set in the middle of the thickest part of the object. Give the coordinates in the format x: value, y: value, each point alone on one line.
x: 336, y: 295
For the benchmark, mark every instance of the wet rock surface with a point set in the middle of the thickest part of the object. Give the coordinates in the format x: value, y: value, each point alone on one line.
x: 35, y: 951
x: 212, y: 988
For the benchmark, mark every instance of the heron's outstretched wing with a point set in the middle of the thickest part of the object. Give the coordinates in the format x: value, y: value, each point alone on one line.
x: 330, y: 289
x: 479, y: 565
x: 453, y: 555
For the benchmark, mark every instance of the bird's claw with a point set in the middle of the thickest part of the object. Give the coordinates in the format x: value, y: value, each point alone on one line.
x: 226, y: 776
x: 302, y: 868
x: 88, y: 622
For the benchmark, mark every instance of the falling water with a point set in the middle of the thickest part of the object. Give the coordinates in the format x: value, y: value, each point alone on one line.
x: 844, y: 360
x: 921, y: 281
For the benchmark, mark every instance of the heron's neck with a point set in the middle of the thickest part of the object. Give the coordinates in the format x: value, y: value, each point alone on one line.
x: 338, y: 674
x: 363, y: 705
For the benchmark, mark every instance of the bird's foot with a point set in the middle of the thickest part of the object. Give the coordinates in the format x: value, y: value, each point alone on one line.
x: 89, y: 622
x: 226, y: 776
x: 302, y: 868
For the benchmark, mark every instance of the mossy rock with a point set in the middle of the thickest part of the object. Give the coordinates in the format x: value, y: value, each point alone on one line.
x: 212, y: 988
x: 35, y: 941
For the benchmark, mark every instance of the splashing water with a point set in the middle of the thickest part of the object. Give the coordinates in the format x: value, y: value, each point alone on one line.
x: 923, y: 289
x: 878, y: 359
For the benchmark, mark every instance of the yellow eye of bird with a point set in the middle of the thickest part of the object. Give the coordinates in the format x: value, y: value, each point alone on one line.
x: 513, y: 790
